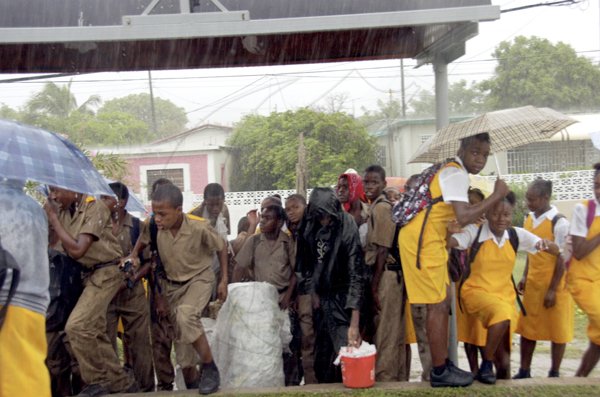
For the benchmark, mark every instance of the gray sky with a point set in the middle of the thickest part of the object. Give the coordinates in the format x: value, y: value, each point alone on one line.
x: 223, y: 96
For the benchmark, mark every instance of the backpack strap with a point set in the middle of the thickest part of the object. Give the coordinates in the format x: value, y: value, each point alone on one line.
x: 514, y: 242
x: 591, y: 213
x: 433, y: 202
x: 470, y: 258
x: 555, y: 220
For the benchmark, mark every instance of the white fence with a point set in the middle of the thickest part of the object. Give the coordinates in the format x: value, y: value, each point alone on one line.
x: 566, y: 186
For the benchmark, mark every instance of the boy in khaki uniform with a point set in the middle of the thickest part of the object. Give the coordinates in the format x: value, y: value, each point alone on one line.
x: 269, y: 256
x: 84, y: 228
x: 186, y: 244
x: 130, y: 304
x: 387, y: 284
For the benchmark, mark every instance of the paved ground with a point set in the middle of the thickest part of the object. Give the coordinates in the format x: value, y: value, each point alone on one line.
x: 540, y: 366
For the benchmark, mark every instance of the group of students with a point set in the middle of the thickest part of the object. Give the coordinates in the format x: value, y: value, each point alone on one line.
x: 341, y: 265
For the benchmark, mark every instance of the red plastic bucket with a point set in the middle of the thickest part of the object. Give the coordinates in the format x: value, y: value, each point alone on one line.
x: 358, y: 372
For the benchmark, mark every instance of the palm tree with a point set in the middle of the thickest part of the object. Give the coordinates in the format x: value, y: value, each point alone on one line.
x: 59, y: 101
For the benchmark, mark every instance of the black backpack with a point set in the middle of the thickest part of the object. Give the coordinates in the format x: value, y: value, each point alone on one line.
x: 8, y: 262
x: 514, y: 242
x: 66, y: 287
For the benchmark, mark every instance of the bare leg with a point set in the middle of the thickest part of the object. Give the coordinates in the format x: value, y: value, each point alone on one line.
x: 557, y: 351
x: 589, y: 360
x: 203, y: 349
x: 471, y: 352
x: 502, y: 356
x: 527, y: 348
x: 494, y: 338
x: 437, y: 332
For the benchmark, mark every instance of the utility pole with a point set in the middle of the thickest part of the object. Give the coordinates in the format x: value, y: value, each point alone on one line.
x: 402, y: 93
x: 154, y: 128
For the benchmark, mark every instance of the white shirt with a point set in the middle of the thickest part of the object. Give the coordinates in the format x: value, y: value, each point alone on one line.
x: 579, y: 219
x: 454, y: 183
x: 561, y: 229
x: 465, y: 239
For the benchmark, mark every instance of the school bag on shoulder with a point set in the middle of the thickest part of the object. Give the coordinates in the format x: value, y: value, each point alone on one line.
x: 65, y: 289
x: 418, y: 199
x: 8, y: 262
x: 513, y: 238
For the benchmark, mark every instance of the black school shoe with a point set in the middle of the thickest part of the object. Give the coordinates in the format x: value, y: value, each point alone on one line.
x: 452, y: 376
x: 486, y: 373
x: 94, y: 390
x: 553, y: 374
x: 210, y: 379
x: 522, y: 374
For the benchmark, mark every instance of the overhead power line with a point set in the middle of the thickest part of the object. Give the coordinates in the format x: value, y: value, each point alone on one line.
x: 545, y: 4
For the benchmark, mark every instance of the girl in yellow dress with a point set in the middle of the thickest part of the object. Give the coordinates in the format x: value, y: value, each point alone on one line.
x: 548, y: 304
x: 583, y: 277
x: 488, y: 292
x: 470, y: 330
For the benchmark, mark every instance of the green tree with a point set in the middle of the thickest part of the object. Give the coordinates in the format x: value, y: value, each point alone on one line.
x: 59, y: 101
x: 170, y: 118
x: 463, y: 100
x: 265, y: 148
x: 8, y: 113
x: 533, y: 71
x: 109, y: 129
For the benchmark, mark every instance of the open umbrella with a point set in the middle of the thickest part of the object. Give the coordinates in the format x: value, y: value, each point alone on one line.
x: 508, y: 128
x: 30, y: 153
x: 133, y: 203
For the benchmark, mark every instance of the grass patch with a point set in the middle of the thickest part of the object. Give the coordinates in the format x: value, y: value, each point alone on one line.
x: 476, y: 390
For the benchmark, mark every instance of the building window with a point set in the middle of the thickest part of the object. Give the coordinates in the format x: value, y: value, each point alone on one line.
x: 551, y: 157
x: 380, y: 155
x: 175, y: 175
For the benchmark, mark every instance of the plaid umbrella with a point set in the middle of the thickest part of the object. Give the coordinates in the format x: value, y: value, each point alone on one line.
x: 30, y: 153
x: 508, y: 128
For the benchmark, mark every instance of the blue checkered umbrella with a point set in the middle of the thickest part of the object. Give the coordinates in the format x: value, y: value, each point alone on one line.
x: 30, y: 153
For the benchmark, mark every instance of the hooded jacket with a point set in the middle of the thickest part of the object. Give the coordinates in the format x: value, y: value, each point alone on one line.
x: 341, y: 270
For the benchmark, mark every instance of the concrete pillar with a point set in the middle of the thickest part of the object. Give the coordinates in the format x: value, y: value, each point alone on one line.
x: 442, y: 119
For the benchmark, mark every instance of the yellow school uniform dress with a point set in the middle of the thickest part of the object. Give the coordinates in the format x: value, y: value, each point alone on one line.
x: 556, y: 323
x: 410, y: 337
x: 469, y: 328
x: 488, y: 292
x: 583, y: 278
x: 427, y: 285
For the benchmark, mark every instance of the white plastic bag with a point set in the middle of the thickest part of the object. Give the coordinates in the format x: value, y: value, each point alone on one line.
x: 365, y: 349
x: 249, y: 333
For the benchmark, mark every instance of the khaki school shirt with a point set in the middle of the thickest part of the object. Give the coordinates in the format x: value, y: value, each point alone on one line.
x: 381, y: 229
x: 92, y: 217
x: 124, y: 235
x: 190, y: 251
x: 273, y: 260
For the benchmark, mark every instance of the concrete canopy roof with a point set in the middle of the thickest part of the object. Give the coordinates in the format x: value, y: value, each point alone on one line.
x: 74, y: 36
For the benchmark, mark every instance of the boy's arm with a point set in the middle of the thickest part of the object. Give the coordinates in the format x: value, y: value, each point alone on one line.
x: 378, y: 268
x: 75, y: 248
x: 467, y: 213
x: 223, y: 261
x: 287, y: 296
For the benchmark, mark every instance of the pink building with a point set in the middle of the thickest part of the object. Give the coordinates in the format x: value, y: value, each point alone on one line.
x: 191, y: 159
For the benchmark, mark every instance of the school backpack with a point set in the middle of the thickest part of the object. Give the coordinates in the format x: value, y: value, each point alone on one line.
x: 513, y: 238
x: 8, y: 262
x: 418, y: 199
x: 65, y: 289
